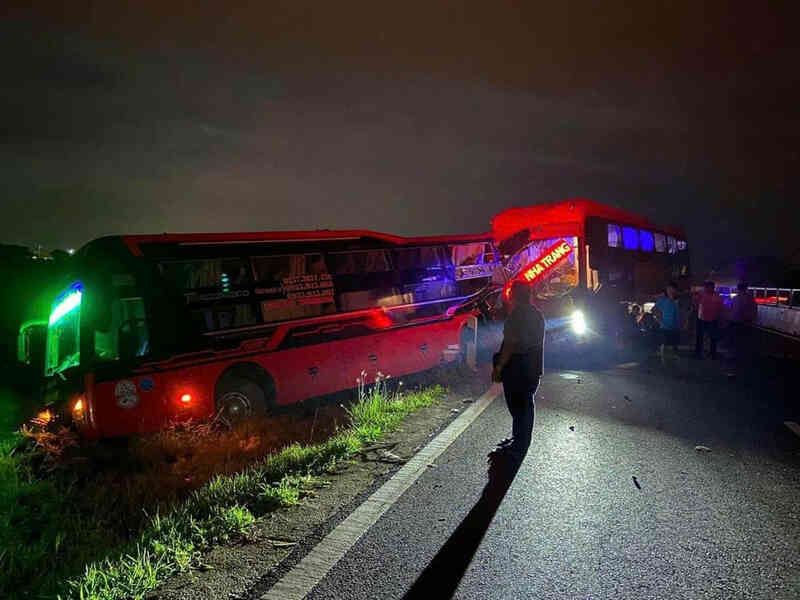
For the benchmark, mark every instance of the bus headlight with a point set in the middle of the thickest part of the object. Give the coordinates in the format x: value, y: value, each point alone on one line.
x: 578, y: 322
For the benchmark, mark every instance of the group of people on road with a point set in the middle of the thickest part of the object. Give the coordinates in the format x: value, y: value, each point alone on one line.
x: 661, y: 326
x: 707, y: 314
x: 716, y: 321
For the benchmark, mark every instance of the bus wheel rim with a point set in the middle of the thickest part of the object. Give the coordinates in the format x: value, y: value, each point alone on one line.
x: 234, y: 406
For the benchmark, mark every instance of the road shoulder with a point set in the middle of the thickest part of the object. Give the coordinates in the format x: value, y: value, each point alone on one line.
x: 232, y: 571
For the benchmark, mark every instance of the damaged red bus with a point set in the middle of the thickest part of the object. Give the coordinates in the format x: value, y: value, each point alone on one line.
x: 157, y: 328
x: 587, y: 261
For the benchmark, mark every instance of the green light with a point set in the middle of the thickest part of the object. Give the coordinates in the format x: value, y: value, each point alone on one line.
x: 68, y: 304
x: 23, y: 341
x: 32, y: 323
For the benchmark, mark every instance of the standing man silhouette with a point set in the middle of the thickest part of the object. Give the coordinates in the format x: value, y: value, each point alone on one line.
x: 519, y: 365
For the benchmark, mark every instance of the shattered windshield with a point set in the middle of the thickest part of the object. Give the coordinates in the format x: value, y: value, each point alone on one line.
x: 562, y: 278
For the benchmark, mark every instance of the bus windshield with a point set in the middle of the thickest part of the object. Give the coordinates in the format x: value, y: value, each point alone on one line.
x: 63, y: 331
x: 556, y: 281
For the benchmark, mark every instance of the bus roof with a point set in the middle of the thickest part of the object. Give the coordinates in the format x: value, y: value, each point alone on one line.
x: 134, y: 242
x: 566, y: 218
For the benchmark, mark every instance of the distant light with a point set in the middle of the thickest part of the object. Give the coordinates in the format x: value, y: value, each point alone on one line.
x: 186, y: 398
x: 70, y: 250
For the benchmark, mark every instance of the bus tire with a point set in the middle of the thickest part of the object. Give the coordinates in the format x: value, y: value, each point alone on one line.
x: 242, y: 395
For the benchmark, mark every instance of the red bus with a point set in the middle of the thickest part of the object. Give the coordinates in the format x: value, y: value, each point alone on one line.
x: 587, y: 261
x: 157, y: 328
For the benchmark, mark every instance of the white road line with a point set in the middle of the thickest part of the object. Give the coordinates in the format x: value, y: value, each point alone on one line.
x: 628, y: 365
x: 313, y: 567
x: 793, y: 427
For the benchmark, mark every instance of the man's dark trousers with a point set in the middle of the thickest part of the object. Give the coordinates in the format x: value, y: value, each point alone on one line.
x: 519, y: 392
x: 703, y: 328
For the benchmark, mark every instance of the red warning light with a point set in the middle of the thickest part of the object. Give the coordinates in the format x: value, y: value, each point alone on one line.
x: 380, y: 320
x: 186, y: 398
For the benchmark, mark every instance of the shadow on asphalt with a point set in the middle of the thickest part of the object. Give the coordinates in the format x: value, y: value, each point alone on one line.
x: 441, y: 577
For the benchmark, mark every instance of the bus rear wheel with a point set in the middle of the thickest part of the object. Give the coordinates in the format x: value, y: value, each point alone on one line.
x: 239, y: 400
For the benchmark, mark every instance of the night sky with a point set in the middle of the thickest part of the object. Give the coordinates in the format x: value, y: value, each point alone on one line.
x: 406, y: 117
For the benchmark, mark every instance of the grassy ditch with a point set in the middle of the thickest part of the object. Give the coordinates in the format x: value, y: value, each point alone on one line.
x: 75, y: 531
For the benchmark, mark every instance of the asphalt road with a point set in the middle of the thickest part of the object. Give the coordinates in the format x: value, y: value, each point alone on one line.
x: 573, y: 522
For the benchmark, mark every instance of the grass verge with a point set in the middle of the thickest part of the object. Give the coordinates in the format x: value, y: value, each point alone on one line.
x: 50, y: 525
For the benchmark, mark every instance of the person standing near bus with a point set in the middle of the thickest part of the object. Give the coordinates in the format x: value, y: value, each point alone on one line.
x: 743, y: 317
x: 667, y: 314
x: 709, y: 311
x: 519, y: 365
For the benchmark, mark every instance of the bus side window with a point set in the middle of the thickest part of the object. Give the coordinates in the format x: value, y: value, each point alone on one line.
x: 630, y: 238
x: 672, y: 244
x: 293, y: 286
x: 216, y: 291
x: 363, y: 279
x: 206, y: 273
x: 425, y: 273
x: 646, y: 240
x: 471, y: 254
x: 614, y: 236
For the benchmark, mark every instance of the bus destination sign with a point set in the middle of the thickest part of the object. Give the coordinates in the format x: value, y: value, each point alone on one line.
x: 547, y: 261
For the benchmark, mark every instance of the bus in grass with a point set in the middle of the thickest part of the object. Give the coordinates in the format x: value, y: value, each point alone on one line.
x: 152, y: 329
x: 587, y: 262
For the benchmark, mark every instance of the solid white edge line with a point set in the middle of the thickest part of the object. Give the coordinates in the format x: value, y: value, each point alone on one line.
x: 314, y: 566
x: 793, y: 427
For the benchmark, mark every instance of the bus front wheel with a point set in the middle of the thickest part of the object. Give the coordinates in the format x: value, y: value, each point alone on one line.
x: 239, y: 400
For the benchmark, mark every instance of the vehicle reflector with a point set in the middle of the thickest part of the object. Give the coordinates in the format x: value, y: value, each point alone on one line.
x: 43, y: 418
